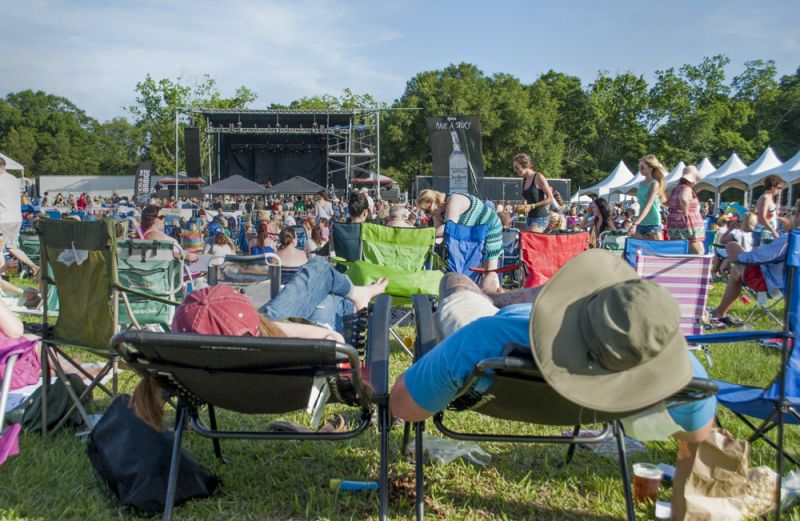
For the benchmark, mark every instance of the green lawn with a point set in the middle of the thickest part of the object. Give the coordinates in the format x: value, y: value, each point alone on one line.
x: 53, y: 479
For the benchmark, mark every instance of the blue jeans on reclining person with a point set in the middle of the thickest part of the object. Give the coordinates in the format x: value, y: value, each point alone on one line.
x: 317, y: 293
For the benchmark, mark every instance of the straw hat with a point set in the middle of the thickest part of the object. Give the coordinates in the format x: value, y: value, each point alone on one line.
x: 606, y: 339
x: 691, y: 174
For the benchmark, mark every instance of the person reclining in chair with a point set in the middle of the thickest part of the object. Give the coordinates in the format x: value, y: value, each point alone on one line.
x: 765, y: 270
x: 602, y: 338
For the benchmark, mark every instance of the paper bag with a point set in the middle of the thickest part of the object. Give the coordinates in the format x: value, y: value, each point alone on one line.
x: 710, y: 484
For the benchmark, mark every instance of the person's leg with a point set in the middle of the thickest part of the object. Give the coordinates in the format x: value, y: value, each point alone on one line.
x: 11, y: 234
x: 461, y: 302
x: 307, y: 289
x: 331, y: 311
x: 732, y: 291
x: 696, y: 248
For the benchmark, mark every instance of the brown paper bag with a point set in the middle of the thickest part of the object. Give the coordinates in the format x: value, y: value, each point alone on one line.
x: 710, y: 484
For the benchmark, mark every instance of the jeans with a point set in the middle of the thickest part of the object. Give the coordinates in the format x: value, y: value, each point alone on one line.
x: 317, y: 293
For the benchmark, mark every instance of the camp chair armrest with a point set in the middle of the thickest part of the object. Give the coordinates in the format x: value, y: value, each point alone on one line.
x: 426, y: 332
x: 377, y: 355
x: 146, y: 295
x: 736, y: 336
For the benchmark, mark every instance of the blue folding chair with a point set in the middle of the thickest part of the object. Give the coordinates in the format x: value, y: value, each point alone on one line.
x: 464, y: 248
x: 779, y: 402
x: 662, y: 247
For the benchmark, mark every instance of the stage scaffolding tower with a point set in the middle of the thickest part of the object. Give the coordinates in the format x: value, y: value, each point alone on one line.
x: 352, y: 149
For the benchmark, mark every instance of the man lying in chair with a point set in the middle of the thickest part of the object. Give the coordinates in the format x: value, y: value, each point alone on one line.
x: 764, y: 270
x: 602, y: 337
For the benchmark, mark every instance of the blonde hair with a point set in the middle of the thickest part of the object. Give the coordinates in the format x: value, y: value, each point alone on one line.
x: 427, y: 197
x: 749, y: 222
x: 659, y: 173
x: 524, y: 160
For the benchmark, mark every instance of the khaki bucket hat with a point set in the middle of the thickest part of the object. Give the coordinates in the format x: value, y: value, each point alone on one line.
x: 607, y: 340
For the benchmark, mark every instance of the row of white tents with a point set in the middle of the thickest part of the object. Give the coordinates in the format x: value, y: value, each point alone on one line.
x: 621, y: 182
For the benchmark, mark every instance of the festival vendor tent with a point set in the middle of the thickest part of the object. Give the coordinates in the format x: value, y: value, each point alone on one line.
x: 743, y: 179
x: 235, y: 184
x: 706, y: 167
x: 717, y: 177
x: 296, y: 186
x: 789, y: 172
x: 13, y: 165
x: 674, y: 176
x: 618, y: 177
x: 631, y: 187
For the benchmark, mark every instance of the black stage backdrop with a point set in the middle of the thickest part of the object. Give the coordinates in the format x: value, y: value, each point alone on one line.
x: 275, y: 159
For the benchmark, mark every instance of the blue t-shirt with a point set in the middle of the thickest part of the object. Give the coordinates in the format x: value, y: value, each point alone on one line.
x: 435, y: 379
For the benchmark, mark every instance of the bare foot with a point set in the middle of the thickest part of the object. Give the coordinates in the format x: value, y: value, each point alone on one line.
x: 361, y: 295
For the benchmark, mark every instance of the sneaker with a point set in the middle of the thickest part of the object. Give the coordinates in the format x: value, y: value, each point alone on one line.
x: 726, y: 321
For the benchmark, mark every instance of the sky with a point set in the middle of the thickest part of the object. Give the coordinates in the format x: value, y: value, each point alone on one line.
x: 93, y: 52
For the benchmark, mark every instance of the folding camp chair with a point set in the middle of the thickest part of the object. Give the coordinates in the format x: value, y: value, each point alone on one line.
x: 257, y: 276
x: 463, y: 248
x: 236, y: 373
x: 770, y: 408
x: 346, y: 241
x: 612, y: 240
x: 401, y: 255
x: 10, y: 351
x: 765, y: 305
x: 632, y: 245
x: 511, y: 259
x: 543, y: 253
x: 151, y: 268
x: 513, y: 376
x: 688, y: 279
x: 80, y: 260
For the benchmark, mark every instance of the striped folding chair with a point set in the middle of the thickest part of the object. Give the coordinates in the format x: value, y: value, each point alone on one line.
x: 685, y: 277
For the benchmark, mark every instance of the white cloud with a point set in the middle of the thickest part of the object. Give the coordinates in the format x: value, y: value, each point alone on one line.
x: 95, y: 53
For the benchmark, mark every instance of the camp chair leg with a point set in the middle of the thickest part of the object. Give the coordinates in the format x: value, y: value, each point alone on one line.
x: 760, y: 433
x: 76, y: 400
x: 6, y: 387
x: 419, y: 464
x: 383, y: 415
x: 399, y: 339
x: 571, y: 450
x: 45, y: 361
x: 114, y: 373
x: 623, y: 467
x: 174, y: 464
x: 406, y: 436
x: 58, y: 354
x: 212, y: 421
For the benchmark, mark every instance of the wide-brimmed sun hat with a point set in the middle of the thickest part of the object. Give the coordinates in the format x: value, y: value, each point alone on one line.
x: 691, y: 174
x: 607, y: 340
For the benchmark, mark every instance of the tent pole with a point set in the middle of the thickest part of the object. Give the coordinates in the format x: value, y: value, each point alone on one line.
x: 378, y: 155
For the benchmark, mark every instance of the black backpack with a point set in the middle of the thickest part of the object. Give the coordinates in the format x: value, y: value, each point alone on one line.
x: 133, y: 459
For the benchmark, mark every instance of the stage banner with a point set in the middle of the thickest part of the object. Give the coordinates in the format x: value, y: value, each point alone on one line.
x: 456, y: 151
x: 141, y: 188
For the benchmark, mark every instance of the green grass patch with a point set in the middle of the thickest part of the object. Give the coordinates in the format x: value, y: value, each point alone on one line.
x: 53, y: 479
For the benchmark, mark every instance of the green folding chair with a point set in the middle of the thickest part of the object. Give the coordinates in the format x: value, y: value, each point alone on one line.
x: 402, y: 255
x: 80, y: 260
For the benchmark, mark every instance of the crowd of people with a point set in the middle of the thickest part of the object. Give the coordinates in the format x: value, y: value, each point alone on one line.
x: 474, y: 321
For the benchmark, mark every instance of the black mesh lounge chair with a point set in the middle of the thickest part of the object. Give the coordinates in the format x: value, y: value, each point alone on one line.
x: 516, y: 375
x: 257, y: 276
x: 227, y: 372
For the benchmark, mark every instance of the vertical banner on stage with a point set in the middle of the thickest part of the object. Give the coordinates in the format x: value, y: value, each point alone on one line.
x: 141, y: 188
x: 456, y: 151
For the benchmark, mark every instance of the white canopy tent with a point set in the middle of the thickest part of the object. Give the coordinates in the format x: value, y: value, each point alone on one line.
x: 618, y: 177
x: 743, y: 178
x: 705, y: 168
x: 788, y: 171
x: 717, y: 177
x: 675, y: 175
x: 13, y: 165
x: 631, y: 187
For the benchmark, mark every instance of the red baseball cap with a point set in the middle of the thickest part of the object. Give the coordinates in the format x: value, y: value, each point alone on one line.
x: 216, y: 310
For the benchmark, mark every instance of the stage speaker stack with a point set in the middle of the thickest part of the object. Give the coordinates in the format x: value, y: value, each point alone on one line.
x: 191, y: 147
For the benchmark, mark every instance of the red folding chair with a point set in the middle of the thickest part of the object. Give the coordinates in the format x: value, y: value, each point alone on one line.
x: 543, y: 254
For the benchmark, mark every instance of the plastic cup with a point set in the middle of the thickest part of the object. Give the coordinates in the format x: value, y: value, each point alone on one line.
x: 646, y: 481
x: 408, y: 342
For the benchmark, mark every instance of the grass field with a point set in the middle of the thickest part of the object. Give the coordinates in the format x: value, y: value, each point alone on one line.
x: 53, y: 479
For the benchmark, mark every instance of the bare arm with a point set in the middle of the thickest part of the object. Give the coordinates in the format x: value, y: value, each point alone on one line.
x: 541, y: 183
x: 309, y: 332
x: 10, y: 324
x: 403, y: 406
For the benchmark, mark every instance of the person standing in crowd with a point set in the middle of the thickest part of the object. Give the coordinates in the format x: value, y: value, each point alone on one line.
x: 767, y: 211
x: 323, y: 207
x: 467, y: 210
x: 650, y: 196
x: 536, y: 191
x: 11, y: 216
x: 684, y: 221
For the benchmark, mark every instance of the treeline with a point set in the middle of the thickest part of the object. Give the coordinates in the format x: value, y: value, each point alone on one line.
x: 574, y: 130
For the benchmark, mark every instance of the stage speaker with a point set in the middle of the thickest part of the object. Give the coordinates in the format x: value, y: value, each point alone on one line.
x: 191, y: 149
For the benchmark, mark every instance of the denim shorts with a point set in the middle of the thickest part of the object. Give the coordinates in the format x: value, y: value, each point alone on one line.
x: 648, y: 229
x: 541, y: 222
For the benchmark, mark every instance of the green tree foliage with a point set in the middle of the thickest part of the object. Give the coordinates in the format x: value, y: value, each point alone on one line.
x: 571, y: 129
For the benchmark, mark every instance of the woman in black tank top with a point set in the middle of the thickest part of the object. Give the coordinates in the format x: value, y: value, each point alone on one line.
x: 535, y: 190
